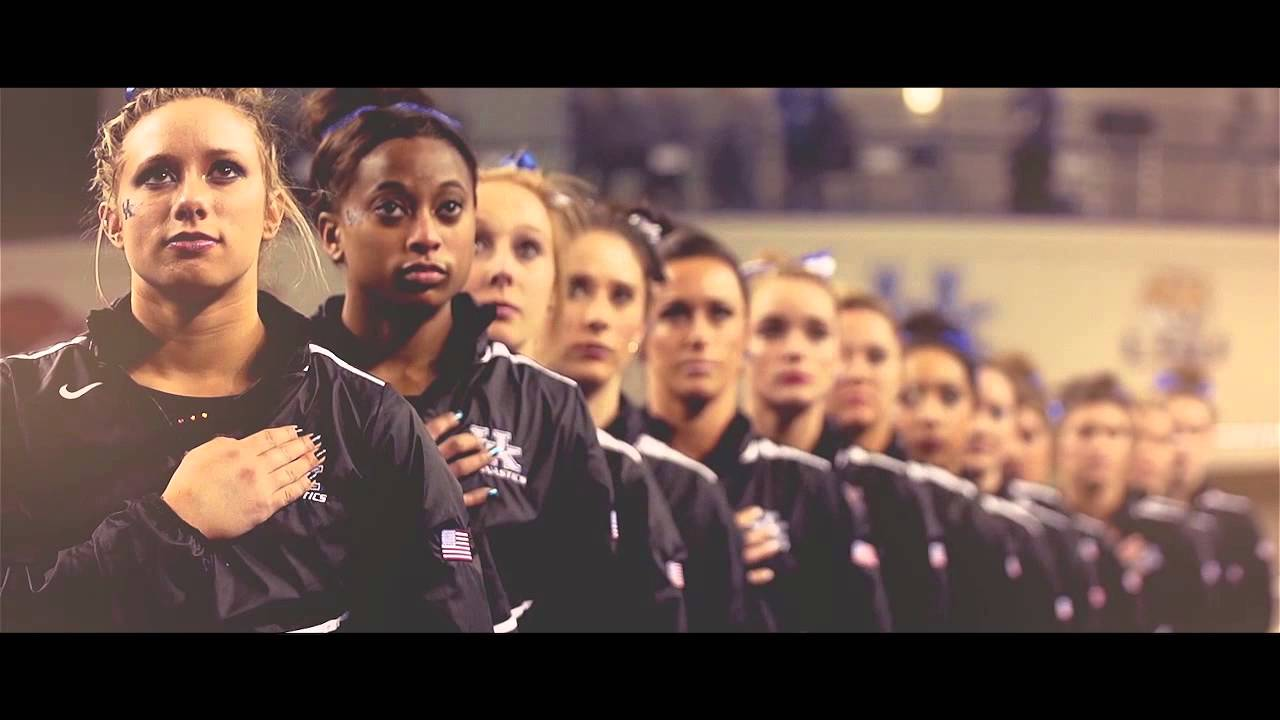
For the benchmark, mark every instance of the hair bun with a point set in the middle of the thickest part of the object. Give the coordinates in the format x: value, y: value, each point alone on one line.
x: 324, y: 107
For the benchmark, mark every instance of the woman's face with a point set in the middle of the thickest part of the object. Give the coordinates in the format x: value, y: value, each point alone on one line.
x: 193, y: 203
x: 1031, y: 452
x: 793, y: 349
x: 405, y: 228
x: 514, y: 266
x: 994, y: 425
x: 870, y: 370
x: 936, y: 407
x: 696, y: 342
x: 601, y: 308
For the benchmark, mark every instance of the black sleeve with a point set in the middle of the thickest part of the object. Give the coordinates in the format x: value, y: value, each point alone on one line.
x: 651, y: 554
x: 1030, y: 569
x: 716, y: 574
x: 1259, y: 579
x: 1074, y: 575
x: 856, y: 601
x: 1204, y: 531
x: 867, y: 582
x: 936, y: 595
x: 409, y: 579
x: 577, y: 539
x: 1116, y: 607
x: 1043, y: 586
x: 908, y: 536
x: 979, y: 546
x: 1247, y: 574
x: 142, y: 567
x: 1173, y: 594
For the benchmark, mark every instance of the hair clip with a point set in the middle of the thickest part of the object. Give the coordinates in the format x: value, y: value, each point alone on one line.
x: 522, y: 159
x: 1167, y: 381
x: 1055, y: 411
x: 752, y: 268
x: 821, y: 263
x: 652, y: 230
x: 959, y: 340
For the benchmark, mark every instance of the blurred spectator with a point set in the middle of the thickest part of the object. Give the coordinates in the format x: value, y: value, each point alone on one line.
x: 1238, y: 136
x: 1238, y: 131
x: 669, y: 140
x: 607, y: 129
x: 732, y: 155
x: 586, y: 110
x: 31, y: 321
x: 1031, y: 163
x: 817, y: 140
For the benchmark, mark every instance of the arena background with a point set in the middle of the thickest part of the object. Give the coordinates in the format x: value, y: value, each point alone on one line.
x: 1162, y: 240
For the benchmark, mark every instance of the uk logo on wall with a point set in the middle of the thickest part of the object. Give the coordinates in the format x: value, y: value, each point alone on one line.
x: 948, y: 298
x: 1173, y: 326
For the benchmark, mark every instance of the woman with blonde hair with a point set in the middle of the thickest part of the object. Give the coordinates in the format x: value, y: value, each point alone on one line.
x: 195, y: 462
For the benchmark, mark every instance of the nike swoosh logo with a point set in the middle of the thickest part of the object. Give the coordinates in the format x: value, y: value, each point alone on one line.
x: 64, y: 392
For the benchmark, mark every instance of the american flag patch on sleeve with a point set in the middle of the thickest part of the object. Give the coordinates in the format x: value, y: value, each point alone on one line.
x: 455, y: 545
x: 1235, y: 573
x: 937, y: 555
x: 1064, y: 609
x: 1089, y: 551
x: 1265, y: 550
x: 863, y: 554
x: 675, y: 573
x: 1012, y: 567
x: 1132, y: 581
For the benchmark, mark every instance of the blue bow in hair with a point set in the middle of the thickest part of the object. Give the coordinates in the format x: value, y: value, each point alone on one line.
x: 959, y: 340
x: 131, y: 93
x: 1055, y: 411
x: 522, y: 159
x: 1167, y: 382
x: 411, y: 107
x: 821, y: 263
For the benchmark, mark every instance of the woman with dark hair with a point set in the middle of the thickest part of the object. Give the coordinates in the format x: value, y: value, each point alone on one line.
x: 394, y: 191
x: 608, y: 273
x: 694, y: 352
x: 1030, y: 455
x: 1002, y: 572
